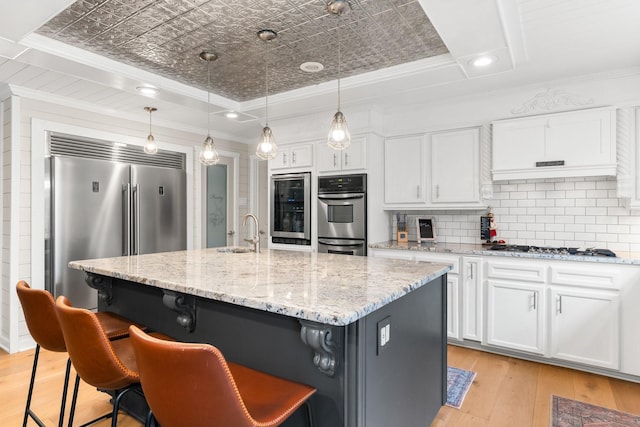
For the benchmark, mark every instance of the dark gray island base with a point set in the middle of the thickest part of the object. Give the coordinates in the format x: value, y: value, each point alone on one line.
x: 359, y: 384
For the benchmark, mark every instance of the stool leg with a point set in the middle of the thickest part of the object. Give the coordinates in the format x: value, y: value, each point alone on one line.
x: 27, y: 408
x: 73, y: 400
x: 149, y: 418
x: 64, y: 393
x: 309, y: 418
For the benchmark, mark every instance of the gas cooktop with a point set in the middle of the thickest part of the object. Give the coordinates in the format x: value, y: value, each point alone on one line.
x: 554, y: 250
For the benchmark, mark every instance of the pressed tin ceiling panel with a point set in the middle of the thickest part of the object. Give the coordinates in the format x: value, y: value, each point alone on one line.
x: 165, y: 37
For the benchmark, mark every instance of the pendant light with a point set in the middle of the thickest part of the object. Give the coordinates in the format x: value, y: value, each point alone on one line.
x: 208, y: 153
x: 339, y: 136
x: 267, y: 148
x: 150, y: 146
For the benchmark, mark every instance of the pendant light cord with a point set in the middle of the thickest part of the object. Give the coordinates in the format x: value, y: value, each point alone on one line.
x: 266, y: 84
x: 339, y: 66
x: 150, y: 111
x: 208, y: 97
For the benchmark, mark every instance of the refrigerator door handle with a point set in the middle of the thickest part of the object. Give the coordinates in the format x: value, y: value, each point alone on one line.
x: 135, y: 222
x: 126, y: 214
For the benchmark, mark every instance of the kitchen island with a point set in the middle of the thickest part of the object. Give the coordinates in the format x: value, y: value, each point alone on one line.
x: 368, y: 333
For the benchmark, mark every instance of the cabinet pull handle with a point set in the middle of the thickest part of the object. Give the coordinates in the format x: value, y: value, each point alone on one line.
x: 437, y: 191
x: 471, y: 271
x: 346, y: 159
x: 293, y: 157
x: 418, y: 191
x: 284, y: 158
x: 535, y: 301
x: 335, y: 160
x: 559, y: 302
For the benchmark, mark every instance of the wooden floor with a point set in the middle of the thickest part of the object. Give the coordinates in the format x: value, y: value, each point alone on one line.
x: 506, y: 392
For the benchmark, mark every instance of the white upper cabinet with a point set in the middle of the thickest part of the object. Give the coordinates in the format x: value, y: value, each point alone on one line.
x: 577, y: 143
x: 455, y: 166
x: 440, y: 170
x: 293, y: 157
x: 352, y: 158
x: 404, y: 180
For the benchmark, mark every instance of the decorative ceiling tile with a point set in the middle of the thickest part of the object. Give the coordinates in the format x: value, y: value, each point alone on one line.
x: 166, y: 36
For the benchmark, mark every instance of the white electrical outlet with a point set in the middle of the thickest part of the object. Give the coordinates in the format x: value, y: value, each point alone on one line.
x: 383, y: 330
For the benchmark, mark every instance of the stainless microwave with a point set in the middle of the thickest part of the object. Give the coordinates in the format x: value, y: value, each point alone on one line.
x: 291, y: 208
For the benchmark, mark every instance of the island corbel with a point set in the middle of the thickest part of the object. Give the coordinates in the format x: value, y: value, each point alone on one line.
x: 320, y: 338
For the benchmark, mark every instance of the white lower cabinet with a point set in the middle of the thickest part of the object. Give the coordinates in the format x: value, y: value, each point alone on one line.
x: 585, y: 326
x: 580, y: 313
x: 516, y: 316
x: 471, y: 284
x: 453, y: 304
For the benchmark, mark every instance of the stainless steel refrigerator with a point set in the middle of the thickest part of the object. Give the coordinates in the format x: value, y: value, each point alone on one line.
x: 100, y: 209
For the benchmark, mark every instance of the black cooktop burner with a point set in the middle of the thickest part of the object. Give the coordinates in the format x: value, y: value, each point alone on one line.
x: 553, y: 250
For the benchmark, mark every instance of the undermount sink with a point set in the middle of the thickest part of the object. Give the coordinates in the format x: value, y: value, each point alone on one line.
x: 235, y: 250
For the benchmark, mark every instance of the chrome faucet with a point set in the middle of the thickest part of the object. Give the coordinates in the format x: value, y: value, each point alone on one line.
x: 256, y: 239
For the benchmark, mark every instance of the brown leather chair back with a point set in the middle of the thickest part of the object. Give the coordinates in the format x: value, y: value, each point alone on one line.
x: 90, y: 350
x: 188, y: 384
x: 39, y: 310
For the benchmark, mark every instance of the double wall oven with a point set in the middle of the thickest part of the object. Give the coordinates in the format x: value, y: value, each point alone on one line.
x: 291, y: 208
x: 342, y: 214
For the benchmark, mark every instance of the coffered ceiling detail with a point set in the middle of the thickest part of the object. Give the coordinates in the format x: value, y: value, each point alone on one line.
x: 165, y: 37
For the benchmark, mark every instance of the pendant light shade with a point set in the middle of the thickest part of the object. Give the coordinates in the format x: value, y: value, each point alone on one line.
x: 150, y: 147
x: 339, y: 136
x: 208, y: 153
x: 267, y: 148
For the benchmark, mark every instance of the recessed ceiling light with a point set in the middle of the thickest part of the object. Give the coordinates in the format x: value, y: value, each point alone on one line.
x: 147, y: 90
x: 483, y: 61
x: 311, y: 67
x: 231, y: 115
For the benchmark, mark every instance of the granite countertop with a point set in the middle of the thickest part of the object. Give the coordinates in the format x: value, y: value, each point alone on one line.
x: 325, y: 288
x: 631, y: 258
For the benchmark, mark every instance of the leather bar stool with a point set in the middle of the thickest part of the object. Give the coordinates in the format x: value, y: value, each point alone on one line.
x: 39, y: 311
x: 189, y: 384
x: 105, y: 364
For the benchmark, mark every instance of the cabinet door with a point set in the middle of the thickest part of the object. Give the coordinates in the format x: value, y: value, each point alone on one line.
x: 301, y: 156
x: 455, y: 166
x: 351, y: 158
x: 404, y: 171
x: 355, y: 157
x: 580, y: 139
x: 515, y: 316
x: 585, y: 326
x: 471, y: 299
x: 518, y: 144
x: 453, y: 307
x: 328, y: 159
x: 282, y: 159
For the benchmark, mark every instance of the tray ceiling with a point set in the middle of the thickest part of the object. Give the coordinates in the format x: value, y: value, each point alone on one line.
x: 165, y: 37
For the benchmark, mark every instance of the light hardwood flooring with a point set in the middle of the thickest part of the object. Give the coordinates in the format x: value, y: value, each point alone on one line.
x: 506, y: 392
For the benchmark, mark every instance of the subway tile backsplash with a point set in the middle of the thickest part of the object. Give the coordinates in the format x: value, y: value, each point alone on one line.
x: 560, y: 212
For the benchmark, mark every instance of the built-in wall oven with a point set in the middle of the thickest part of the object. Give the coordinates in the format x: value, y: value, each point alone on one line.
x: 291, y: 208
x: 342, y: 214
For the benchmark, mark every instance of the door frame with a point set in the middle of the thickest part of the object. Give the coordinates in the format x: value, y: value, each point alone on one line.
x: 200, y: 209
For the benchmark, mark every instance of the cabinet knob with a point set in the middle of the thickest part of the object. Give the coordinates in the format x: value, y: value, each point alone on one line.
x: 346, y: 159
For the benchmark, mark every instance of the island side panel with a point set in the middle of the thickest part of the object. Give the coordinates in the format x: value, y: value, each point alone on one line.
x: 406, y: 381
x: 259, y: 339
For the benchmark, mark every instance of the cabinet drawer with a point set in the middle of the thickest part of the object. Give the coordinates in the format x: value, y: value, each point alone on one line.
x: 442, y: 259
x: 530, y: 273
x: 585, y: 276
